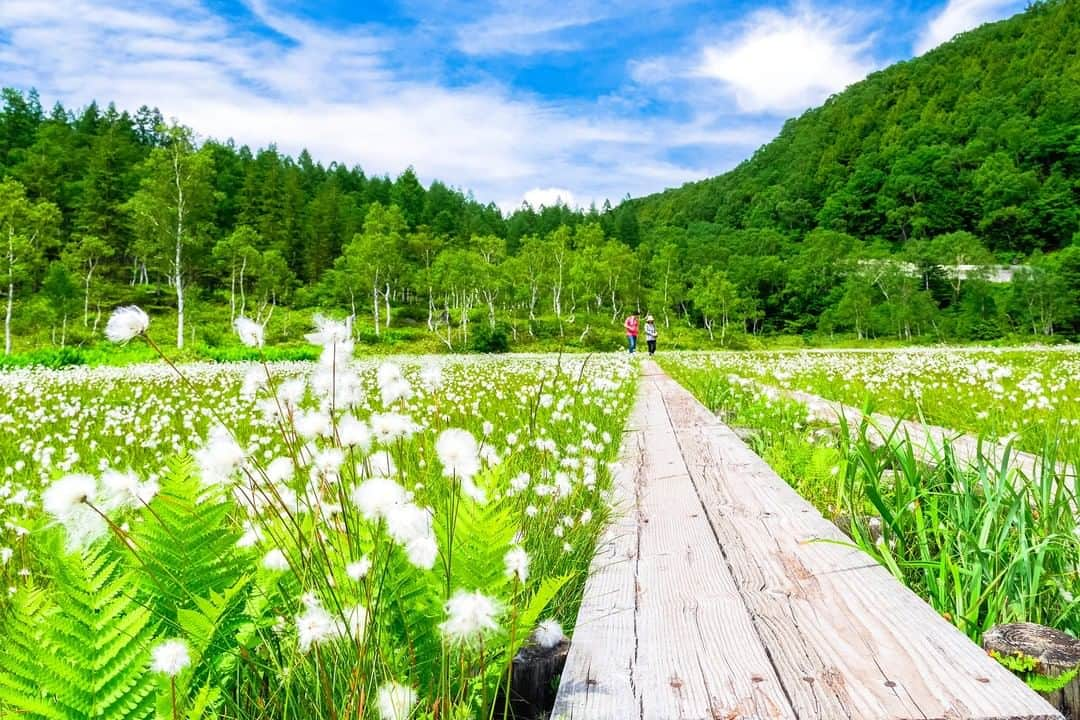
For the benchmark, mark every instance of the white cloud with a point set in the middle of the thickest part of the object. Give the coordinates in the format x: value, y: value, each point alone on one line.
x: 960, y: 15
x: 518, y: 33
x: 526, y: 27
x: 785, y: 62
x: 549, y: 197
x: 336, y: 92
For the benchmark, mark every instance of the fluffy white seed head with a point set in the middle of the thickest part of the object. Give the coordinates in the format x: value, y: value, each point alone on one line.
x: 359, y: 569
x: 313, y: 626
x: 469, y: 616
x: 275, y: 560
x: 67, y: 494
x: 251, y: 333
x: 170, y: 657
x: 458, y: 453
x: 548, y: 634
x: 395, y: 701
x: 376, y: 496
x: 126, y: 323
x: 517, y: 564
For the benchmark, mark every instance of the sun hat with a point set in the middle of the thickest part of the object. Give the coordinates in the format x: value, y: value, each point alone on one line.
x: 649, y: 318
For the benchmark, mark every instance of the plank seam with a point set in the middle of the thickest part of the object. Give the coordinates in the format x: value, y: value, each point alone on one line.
x: 723, y: 553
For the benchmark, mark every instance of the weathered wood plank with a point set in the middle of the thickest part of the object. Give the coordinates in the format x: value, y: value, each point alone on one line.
x: 691, y: 617
x: 696, y: 654
x: 926, y: 439
x: 847, y: 640
x: 598, y: 678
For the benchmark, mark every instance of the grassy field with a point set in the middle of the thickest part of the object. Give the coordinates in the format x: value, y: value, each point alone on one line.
x: 336, y: 538
x: 982, y: 543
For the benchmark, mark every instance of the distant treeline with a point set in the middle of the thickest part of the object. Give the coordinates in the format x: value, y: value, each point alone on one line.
x: 969, y: 155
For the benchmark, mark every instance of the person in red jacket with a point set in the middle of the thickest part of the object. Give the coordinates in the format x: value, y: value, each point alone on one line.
x: 631, y: 326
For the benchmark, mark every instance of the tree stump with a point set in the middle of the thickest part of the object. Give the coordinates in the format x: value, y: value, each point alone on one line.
x: 534, y: 681
x: 1053, y: 652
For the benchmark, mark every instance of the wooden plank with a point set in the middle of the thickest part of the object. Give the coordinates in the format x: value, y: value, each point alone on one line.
x: 699, y: 655
x: 695, y: 650
x: 926, y: 439
x: 598, y: 679
x: 846, y: 639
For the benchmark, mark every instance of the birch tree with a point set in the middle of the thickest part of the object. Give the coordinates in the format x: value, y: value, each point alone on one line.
x: 172, y: 202
x: 85, y: 255
x: 26, y: 230
x: 377, y: 253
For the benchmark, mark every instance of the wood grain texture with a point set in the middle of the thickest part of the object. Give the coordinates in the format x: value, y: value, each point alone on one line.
x: 713, y: 597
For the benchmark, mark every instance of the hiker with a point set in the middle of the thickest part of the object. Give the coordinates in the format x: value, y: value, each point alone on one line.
x: 650, y: 335
x: 631, y: 326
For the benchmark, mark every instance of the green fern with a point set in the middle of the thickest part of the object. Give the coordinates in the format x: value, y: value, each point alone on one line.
x: 538, y: 603
x: 87, y: 657
x: 23, y: 631
x: 186, y: 545
x: 412, y: 601
x: 482, y: 535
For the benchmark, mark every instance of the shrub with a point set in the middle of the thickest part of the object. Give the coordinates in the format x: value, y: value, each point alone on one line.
x: 487, y: 339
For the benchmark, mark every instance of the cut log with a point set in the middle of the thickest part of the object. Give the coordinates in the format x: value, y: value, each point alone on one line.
x: 1054, y: 653
x: 535, y: 680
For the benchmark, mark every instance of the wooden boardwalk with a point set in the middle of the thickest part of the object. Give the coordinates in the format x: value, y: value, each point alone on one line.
x: 927, y: 439
x: 709, y: 597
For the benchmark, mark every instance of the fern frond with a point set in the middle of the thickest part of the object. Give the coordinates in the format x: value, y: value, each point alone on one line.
x: 87, y: 658
x: 482, y: 535
x: 186, y: 545
x: 410, y: 602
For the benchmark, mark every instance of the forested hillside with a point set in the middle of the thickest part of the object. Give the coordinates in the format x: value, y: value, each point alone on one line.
x: 854, y: 222
x: 980, y: 137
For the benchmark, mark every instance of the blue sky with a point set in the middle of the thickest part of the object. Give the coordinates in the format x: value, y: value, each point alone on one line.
x: 582, y: 100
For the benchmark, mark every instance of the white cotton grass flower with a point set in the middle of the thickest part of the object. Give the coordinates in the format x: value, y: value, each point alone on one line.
x: 380, y: 464
x: 356, y: 571
x: 354, y: 433
x: 126, y: 323
x: 431, y: 377
x: 70, y: 492
x: 387, y: 374
x: 395, y: 701
x: 548, y: 634
x: 458, y: 452
x: 469, y: 616
x: 6, y: 554
x: 123, y: 490
x: 280, y: 470
x: 252, y: 536
x: 387, y: 427
x: 422, y: 551
x: 250, y: 332
x: 275, y: 561
x: 315, y: 626
x: 334, y: 337
x: 310, y: 425
x: 356, y: 619
x: 220, y: 458
x: 376, y: 496
x: 69, y: 501
x: 170, y: 657
x: 399, y: 389
x: 517, y: 564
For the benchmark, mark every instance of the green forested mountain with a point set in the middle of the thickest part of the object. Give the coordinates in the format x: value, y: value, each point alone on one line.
x: 980, y: 136
x: 879, y: 214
